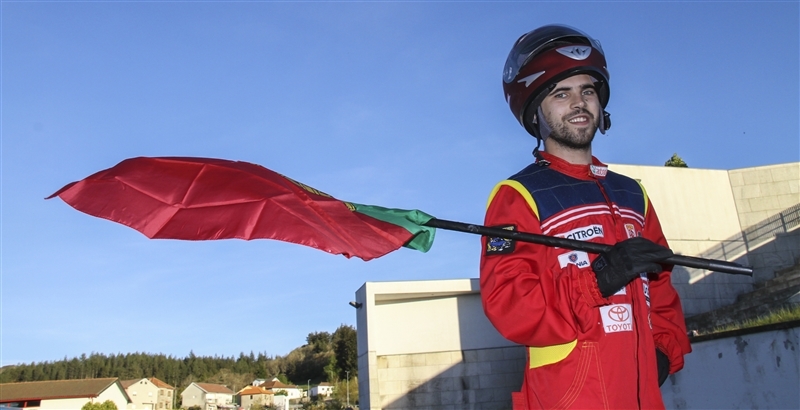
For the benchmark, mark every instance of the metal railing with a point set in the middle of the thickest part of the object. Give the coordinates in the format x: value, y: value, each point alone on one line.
x: 740, y: 244
x: 766, y: 229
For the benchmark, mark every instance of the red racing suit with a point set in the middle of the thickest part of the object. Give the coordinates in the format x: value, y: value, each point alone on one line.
x: 584, y: 351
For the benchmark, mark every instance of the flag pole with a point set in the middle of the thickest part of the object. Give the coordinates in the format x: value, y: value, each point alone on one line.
x: 591, y: 247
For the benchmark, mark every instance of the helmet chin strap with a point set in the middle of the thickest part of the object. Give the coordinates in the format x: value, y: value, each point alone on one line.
x: 604, y: 116
x: 605, y: 122
x: 542, y: 133
x: 544, y: 127
x: 540, y: 161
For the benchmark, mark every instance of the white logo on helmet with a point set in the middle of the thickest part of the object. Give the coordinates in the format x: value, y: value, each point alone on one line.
x: 530, y: 79
x: 576, y: 52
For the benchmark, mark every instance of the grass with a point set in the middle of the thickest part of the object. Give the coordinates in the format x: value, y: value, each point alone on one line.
x: 781, y: 315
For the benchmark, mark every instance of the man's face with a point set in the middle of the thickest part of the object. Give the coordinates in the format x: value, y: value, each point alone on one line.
x: 572, y: 110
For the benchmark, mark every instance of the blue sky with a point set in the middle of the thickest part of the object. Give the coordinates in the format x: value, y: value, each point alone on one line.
x: 397, y: 104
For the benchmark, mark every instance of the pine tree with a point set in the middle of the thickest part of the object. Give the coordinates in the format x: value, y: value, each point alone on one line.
x: 345, y: 350
x: 676, y: 161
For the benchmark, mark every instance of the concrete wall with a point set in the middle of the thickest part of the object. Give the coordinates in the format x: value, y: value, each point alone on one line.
x: 755, y: 371
x: 752, y: 371
x: 66, y: 404
x: 113, y: 393
x: 427, y: 344
x: 475, y: 379
x: 762, y: 192
x: 783, y: 251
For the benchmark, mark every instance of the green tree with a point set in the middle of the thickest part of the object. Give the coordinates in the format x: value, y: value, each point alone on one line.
x: 345, y: 350
x: 234, y: 381
x: 676, y: 161
x: 332, y: 370
x: 320, y: 342
x: 106, y: 405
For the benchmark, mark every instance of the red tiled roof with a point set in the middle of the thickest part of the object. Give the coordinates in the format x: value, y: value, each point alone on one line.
x: 277, y: 385
x: 254, y: 390
x: 55, y: 389
x: 160, y: 384
x: 214, y: 388
x: 128, y: 383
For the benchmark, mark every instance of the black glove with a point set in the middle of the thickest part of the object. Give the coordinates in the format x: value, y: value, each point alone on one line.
x: 662, y: 361
x: 625, y: 261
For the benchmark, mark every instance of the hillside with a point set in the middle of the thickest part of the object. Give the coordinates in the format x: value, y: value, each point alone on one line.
x: 325, y: 357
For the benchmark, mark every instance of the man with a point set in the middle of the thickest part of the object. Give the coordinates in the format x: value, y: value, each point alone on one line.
x: 601, y: 331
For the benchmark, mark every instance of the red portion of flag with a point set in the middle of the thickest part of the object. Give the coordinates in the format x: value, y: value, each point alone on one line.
x: 203, y: 198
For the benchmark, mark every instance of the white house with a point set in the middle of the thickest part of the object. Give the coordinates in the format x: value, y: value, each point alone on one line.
x: 253, y: 395
x: 208, y: 396
x: 149, y: 394
x: 275, y: 386
x: 323, y: 389
x: 63, y: 394
x: 281, y: 403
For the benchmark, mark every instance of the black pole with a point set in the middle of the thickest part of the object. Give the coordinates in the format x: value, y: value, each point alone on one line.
x: 591, y: 247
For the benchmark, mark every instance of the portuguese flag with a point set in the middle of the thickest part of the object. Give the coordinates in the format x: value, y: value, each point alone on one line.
x: 206, y: 198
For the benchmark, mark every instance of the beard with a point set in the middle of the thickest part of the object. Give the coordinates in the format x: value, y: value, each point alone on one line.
x: 580, y: 139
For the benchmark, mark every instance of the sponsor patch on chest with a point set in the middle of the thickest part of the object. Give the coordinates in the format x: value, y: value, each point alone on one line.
x: 617, y: 318
x: 630, y: 230
x: 584, y: 233
x: 577, y: 258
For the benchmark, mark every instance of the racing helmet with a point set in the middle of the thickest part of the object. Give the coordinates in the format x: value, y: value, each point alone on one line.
x: 543, y: 57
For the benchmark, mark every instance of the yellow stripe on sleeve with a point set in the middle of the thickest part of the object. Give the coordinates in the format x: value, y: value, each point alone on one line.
x: 646, y: 198
x: 520, y: 189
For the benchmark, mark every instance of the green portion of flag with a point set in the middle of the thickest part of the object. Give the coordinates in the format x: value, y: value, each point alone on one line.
x: 410, y: 220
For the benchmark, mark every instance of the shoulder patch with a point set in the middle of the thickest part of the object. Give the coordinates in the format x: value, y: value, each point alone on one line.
x: 498, y: 245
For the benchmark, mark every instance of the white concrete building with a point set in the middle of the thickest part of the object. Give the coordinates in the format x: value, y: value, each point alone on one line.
x: 149, y: 394
x: 322, y: 389
x: 428, y: 343
x: 207, y: 395
x: 63, y: 394
x: 254, y: 395
x: 281, y: 402
x: 276, y: 387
